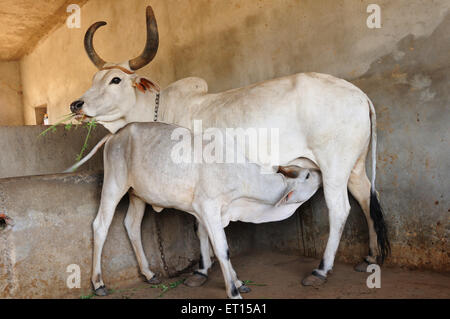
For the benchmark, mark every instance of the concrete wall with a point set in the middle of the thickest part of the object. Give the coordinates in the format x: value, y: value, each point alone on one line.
x: 11, y: 107
x: 24, y: 152
x: 403, y: 67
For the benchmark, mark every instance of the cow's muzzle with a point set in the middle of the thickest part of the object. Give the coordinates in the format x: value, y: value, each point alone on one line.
x: 76, y: 106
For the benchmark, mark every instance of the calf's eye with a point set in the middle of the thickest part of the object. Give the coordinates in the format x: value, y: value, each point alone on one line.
x: 115, y: 80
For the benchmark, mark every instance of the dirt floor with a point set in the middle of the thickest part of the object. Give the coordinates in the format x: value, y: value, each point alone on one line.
x: 277, y: 275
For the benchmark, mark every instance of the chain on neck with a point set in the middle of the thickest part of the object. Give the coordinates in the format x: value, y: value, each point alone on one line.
x: 155, y: 119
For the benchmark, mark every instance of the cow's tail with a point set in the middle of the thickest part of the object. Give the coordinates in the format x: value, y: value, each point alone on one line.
x: 376, y: 212
x: 87, y: 157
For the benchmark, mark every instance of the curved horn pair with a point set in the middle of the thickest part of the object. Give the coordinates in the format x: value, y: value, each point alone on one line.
x: 150, y: 49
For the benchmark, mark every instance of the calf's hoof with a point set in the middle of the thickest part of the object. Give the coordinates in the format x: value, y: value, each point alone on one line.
x: 101, y: 291
x: 154, y: 280
x: 244, y: 289
x: 314, y: 280
x: 362, y: 266
x: 197, y: 279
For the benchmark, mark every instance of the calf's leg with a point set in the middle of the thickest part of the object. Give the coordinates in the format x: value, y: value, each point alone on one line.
x: 200, y: 276
x: 133, y: 222
x: 238, y: 283
x: 111, y: 195
x: 209, y: 215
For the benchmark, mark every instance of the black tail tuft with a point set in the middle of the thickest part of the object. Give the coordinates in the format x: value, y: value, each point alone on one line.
x: 376, y: 213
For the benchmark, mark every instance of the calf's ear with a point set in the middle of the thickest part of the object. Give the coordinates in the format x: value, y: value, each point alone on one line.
x: 283, y: 200
x: 291, y: 171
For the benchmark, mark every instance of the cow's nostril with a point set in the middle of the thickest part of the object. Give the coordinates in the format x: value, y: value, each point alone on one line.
x: 76, y: 106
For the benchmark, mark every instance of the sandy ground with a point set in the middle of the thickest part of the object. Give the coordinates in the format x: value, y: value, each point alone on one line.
x: 277, y: 275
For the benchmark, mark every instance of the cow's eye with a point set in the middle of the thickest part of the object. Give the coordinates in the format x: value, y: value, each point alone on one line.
x: 115, y: 80
x: 307, y: 176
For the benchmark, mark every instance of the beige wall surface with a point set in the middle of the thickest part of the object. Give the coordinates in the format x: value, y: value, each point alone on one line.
x: 58, y: 71
x: 24, y: 152
x: 229, y: 43
x: 11, y: 108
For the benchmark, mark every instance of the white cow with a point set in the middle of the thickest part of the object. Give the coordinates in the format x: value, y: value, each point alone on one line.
x: 138, y: 158
x: 324, y: 122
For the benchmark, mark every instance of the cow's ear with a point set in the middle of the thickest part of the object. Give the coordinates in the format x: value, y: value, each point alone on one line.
x: 283, y: 200
x: 144, y: 84
x: 291, y: 171
x: 137, y: 84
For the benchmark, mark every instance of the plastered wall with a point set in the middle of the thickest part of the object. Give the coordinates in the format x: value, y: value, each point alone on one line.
x: 11, y: 107
x: 24, y: 152
x: 58, y: 71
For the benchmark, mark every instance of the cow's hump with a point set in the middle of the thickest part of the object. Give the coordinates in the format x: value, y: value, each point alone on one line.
x: 192, y: 85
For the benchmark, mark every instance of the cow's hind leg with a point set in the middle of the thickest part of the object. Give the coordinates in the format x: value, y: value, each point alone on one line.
x: 366, y: 196
x: 336, y: 197
x: 359, y: 186
x: 111, y: 195
x: 133, y: 222
x: 200, y: 276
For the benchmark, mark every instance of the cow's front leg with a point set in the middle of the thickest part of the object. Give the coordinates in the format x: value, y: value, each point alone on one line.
x: 338, y: 209
x: 200, y: 276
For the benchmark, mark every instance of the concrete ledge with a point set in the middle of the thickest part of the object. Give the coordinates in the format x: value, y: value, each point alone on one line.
x: 53, y: 217
x: 26, y: 154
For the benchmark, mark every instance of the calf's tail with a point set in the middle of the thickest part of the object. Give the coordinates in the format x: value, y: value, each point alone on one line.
x: 87, y: 157
x: 376, y: 212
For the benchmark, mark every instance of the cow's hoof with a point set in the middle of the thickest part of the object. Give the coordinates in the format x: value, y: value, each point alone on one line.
x: 244, y: 289
x: 362, y: 266
x: 154, y: 280
x: 314, y: 280
x: 101, y: 291
x: 197, y: 279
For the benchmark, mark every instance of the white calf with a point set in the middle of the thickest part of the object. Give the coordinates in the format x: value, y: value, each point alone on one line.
x: 138, y: 157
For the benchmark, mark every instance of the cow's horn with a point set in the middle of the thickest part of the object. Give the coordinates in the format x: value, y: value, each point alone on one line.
x: 151, y: 46
x: 89, y: 46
